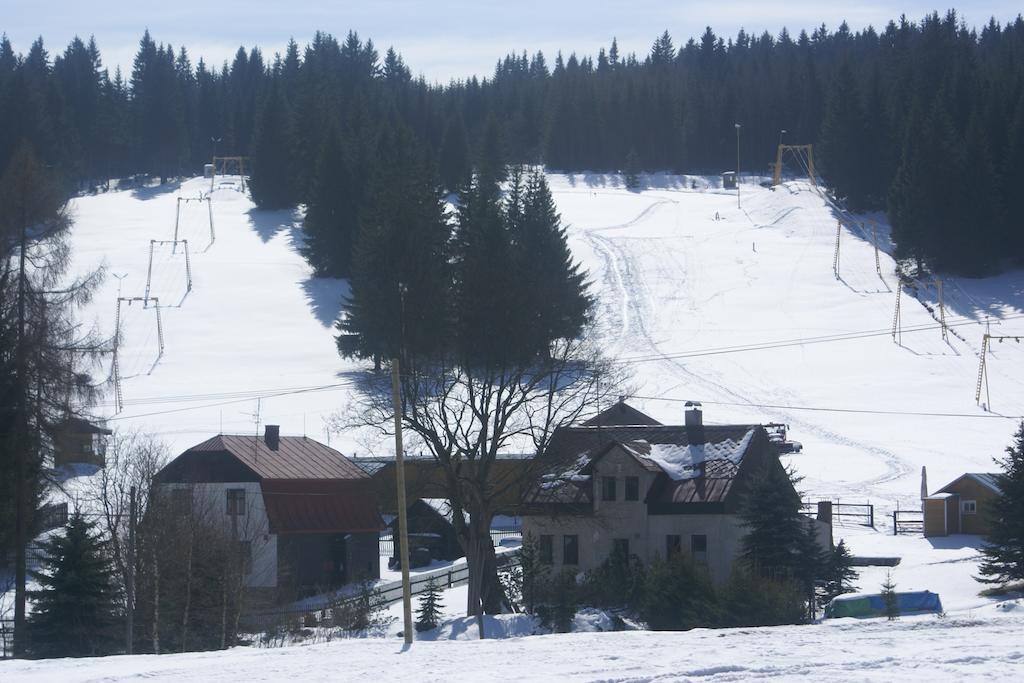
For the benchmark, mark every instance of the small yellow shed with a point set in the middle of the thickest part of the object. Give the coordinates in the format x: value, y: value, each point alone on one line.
x: 961, y: 507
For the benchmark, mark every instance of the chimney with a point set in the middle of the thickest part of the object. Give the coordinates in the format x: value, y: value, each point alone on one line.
x: 694, y: 424
x: 272, y: 436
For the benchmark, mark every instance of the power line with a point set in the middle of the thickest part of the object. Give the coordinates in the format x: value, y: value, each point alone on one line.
x: 822, y: 409
x: 307, y: 390
x: 800, y: 341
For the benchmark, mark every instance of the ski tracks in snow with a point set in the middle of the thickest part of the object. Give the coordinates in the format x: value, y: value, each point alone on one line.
x: 631, y: 304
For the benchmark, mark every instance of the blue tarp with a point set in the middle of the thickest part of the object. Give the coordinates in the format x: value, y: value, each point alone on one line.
x: 861, y: 605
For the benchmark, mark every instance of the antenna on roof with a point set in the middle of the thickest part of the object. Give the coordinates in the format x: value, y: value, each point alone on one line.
x: 256, y: 438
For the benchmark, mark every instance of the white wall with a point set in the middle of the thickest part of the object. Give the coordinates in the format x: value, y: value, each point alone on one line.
x: 210, y: 501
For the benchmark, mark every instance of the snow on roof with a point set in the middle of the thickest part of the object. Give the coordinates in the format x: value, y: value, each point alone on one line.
x: 443, y: 507
x: 685, y: 462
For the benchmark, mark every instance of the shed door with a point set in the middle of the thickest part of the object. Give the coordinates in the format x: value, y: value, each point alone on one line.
x: 953, y: 514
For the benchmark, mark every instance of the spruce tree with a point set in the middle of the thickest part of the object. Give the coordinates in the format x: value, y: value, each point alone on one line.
x: 453, y: 160
x: 839, y: 573
x: 843, y: 149
x: 890, y: 600
x: 270, y: 178
x: 428, y: 616
x: 75, y: 610
x: 775, y: 530
x: 332, y: 214
x: 1003, y: 556
x: 400, y: 278
x: 554, y: 290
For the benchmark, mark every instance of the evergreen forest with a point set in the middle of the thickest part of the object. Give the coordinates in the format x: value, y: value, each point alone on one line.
x: 922, y: 118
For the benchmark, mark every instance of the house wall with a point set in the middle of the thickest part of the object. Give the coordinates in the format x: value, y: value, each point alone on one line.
x: 935, y: 517
x: 968, y: 490
x: 362, y: 556
x: 210, y: 501
x: 73, y: 448
x: 621, y: 519
x: 647, y: 534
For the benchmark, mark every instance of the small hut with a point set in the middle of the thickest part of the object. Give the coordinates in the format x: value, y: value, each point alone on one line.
x: 729, y: 180
x: 963, y: 506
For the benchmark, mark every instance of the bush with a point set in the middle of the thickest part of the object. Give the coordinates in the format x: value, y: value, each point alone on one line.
x: 617, y: 583
x: 677, y: 594
x: 558, y: 603
x: 361, y: 612
x: 749, y: 599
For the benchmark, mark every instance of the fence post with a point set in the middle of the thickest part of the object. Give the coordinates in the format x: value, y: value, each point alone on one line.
x: 895, y: 524
x: 871, y: 515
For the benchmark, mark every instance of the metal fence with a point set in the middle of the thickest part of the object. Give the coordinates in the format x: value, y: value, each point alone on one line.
x: 387, y: 542
x: 6, y: 638
x: 382, y: 596
x: 858, y: 513
x: 907, y: 521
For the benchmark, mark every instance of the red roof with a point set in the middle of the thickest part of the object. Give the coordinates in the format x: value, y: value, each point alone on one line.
x: 319, y: 506
x: 296, y: 457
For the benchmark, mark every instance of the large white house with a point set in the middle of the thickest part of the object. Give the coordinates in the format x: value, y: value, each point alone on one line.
x: 649, y: 490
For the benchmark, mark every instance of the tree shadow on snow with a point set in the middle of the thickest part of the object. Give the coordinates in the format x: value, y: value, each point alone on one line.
x: 147, y: 192
x: 326, y: 296
x: 268, y: 224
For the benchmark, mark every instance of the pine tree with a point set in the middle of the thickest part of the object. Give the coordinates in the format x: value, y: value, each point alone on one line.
x: 1004, y: 554
x: 776, y: 531
x: 270, y: 179
x: 75, y: 609
x: 535, y: 574
x: 632, y: 170
x: 400, y: 278
x: 890, y: 600
x: 428, y: 616
x: 843, y: 148
x: 453, y: 161
x: 553, y: 288
x: 332, y: 214
x: 839, y: 573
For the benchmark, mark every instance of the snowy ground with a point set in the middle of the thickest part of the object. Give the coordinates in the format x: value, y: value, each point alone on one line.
x: 742, y: 312
x: 912, y: 649
x: 682, y: 299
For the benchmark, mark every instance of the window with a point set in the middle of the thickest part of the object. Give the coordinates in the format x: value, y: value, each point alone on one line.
x: 673, y: 544
x: 571, y: 549
x: 547, y: 548
x: 620, y: 548
x: 969, y: 507
x: 607, y: 488
x: 632, y: 488
x: 699, y: 548
x: 181, y: 500
x: 236, y: 502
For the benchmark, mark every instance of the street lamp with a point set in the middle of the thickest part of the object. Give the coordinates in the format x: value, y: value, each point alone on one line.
x: 738, y: 205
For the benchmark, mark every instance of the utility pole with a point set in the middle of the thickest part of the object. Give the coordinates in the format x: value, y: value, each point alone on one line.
x: 403, y: 531
x: 738, y: 205
x: 130, y: 587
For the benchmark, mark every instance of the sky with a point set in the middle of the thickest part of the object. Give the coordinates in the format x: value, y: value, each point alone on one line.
x: 440, y: 40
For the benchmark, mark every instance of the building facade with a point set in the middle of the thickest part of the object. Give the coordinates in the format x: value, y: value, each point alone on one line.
x: 650, y: 490
x: 302, y: 513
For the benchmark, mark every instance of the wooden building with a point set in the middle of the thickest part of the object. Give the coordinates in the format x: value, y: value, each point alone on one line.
x: 78, y: 442
x: 963, y: 506
x: 305, y: 513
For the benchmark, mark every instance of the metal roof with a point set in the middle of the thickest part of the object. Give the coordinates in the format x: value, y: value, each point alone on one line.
x: 989, y: 479
x: 296, y: 506
x: 296, y: 457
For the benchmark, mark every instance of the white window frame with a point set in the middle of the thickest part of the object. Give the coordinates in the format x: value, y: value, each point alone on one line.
x: 969, y: 507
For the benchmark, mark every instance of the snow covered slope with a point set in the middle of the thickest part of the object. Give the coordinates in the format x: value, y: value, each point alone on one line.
x: 913, y: 649
x: 743, y: 313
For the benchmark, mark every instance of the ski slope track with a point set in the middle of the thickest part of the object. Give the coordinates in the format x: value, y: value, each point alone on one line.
x: 738, y: 308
